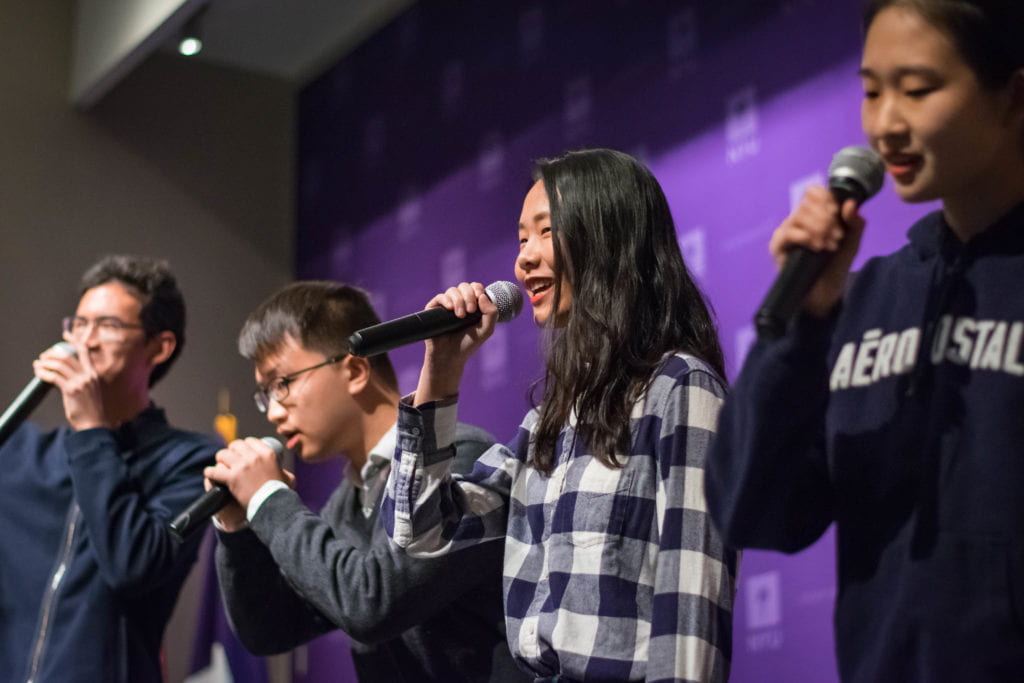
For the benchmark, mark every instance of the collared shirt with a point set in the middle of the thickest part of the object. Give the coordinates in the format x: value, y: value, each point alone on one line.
x: 609, y: 573
x: 368, y: 481
x: 373, y: 474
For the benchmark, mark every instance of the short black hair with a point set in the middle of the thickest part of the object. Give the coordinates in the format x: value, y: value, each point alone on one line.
x: 320, y: 315
x: 151, y: 281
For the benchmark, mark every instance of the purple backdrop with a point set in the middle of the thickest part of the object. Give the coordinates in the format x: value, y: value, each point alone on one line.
x: 414, y: 156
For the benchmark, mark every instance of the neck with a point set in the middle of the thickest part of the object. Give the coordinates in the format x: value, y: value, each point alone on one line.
x: 380, y: 411
x: 977, y: 209
x: 119, y: 409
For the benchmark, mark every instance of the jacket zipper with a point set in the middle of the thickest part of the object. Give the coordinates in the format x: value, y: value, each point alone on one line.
x: 50, y: 596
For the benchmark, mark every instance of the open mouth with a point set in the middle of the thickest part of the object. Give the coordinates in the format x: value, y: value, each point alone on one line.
x: 537, y: 288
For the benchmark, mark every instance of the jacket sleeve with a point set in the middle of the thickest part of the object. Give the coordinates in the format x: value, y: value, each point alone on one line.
x: 767, y: 478
x: 695, y: 572
x: 127, y: 525
x: 429, y: 512
x: 372, y: 591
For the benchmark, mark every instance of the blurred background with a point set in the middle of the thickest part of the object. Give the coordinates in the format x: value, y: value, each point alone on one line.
x: 389, y: 143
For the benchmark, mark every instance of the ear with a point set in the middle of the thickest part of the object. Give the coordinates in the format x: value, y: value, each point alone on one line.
x: 160, y: 347
x: 358, y: 369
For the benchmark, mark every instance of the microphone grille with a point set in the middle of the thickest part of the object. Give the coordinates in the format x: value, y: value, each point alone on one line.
x: 276, y: 445
x: 65, y: 348
x: 507, y: 297
x: 860, y: 165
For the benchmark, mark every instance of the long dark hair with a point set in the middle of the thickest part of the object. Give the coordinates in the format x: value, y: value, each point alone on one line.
x: 989, y: 34
x: 633, y: 300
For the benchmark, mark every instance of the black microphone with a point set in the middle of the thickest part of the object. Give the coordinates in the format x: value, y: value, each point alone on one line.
x: 208, y: 504
x: 855, y: 173
x: 432, y: 322
x: 29, y: 399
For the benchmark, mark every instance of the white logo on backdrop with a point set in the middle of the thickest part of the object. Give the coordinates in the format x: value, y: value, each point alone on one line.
x: 797, y: 187
x: 374, y: 140
x: 490, y: 163
x: 742, y: 341
x: 531, y: 35
x: 452, y: 267
x: 764, y: 611
x: 693, y: 244
x: 494, y: 360
x: 341, y: 254
x: 453, y: 88
x: 742, y: 135
x: 409, y: 213
x: 577, y: 106
x: 681, y: 44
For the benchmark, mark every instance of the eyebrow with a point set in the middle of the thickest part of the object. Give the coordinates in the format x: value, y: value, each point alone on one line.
x: 541, y: 215
x: 900, y: 72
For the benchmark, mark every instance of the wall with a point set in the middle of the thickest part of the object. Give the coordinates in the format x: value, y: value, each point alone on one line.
x: 183, y: 161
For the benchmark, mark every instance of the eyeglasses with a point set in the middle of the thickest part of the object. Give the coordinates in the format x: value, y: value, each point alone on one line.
x: 278, y: 387
x: 108, y: 328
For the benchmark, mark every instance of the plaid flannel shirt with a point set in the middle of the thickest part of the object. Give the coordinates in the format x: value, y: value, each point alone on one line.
x: 609, y: 574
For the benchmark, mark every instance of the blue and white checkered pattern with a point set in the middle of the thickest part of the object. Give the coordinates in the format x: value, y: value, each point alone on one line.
x: 609, y: 574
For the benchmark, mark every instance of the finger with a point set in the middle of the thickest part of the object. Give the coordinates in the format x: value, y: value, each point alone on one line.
x: 455, y: 296
x: 469, y: 295
x: 217, y: 474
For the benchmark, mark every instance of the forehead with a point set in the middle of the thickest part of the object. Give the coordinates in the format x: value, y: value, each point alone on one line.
x: 899, y: 37
x: 288, y: 357
x: 111, y: 299
x: 535, y: 205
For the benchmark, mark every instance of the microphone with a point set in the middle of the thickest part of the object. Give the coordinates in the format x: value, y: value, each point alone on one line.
x: 432, y: 322
x: 29, y: 398
x: 855, y: 173
x: 208, y: 504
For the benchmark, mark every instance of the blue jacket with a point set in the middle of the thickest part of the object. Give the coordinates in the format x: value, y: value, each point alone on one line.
x: 901, y: 419
x: 88, y: 572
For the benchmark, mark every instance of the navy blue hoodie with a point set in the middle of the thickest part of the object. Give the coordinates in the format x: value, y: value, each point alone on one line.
x: 901, y: 418
x: 88, y: 573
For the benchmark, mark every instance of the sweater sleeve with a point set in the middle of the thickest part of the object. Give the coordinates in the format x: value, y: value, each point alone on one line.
x: 428, y: 511
x: 767, y: 479
x: 128, y: 526
x: 325, y: 580
x: 264, y: 611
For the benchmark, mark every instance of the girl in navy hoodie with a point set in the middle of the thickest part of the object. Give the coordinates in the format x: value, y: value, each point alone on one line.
x: 894, y: 406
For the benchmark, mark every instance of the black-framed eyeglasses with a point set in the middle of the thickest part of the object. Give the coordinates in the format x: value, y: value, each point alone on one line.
x: 278, y: 387
x: 108, y: 327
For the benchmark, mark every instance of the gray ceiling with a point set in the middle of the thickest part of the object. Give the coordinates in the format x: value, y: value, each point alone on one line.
x: 293, y: 40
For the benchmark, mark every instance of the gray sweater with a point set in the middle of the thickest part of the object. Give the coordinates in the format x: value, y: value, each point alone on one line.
x: 294, y: 575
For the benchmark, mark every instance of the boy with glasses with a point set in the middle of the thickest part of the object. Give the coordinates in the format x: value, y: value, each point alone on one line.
x: 88, y: 572
x: 288, y: 575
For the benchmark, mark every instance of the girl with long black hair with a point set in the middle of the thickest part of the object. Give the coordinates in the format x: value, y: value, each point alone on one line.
x: 895, y: 406
x: 612, y: 568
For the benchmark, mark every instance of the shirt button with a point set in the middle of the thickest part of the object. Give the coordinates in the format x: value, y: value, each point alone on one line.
x: 415, y: 431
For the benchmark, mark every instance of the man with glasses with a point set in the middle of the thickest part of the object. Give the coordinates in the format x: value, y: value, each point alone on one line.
x: 88, y: 572
x: 289, y: 575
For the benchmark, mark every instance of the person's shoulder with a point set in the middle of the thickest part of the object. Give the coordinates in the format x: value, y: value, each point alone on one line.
x: 684, y: 368
x: 467, y: 432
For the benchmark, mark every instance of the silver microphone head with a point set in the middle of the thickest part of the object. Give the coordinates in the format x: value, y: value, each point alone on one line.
x: 859, y: 169
x: 276, y: 445
x: 507, y: 297
x: 65, y: 348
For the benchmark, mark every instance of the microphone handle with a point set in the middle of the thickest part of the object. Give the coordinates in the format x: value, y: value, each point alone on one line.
x: 786, y: 296
x: 408, y: 329
x: 27, y: 401
x: 199, y: 512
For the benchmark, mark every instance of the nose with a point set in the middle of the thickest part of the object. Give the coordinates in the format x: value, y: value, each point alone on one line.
x: 884, y: 119
x: 529, y: 254
x: 276, y: 413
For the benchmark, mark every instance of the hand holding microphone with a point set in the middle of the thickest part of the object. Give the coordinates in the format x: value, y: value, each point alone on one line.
x: 32, y: 395
x: 242, y: 467
x: 819, y: 241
